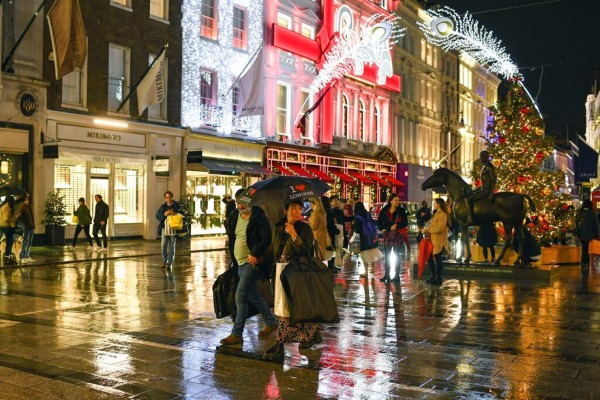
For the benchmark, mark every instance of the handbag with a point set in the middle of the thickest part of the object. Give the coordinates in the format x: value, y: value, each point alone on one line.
x: 224, y: 292
x: 75, y: 220
x: 281, y: 306
x: 307, y: 283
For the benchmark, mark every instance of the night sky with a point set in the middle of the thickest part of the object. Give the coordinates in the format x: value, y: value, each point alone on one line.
x: 563, y: 36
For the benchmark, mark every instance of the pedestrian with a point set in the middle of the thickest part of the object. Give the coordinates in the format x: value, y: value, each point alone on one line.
x: 318, y: 225
x: 8, y: 223
x: 348, y: 222
x: 438, y: 232
x: 487, y: 238
x: 531, y: 248
x: 249, y: 240
x: 333, y: 231
x: 229, y: 208
x: 366, y: 228
x: 292, y: 238
x: 167, y: 242
x: 101, y: 214
x: 84, y: 219
x: 588, y: 229
x: 423, y: 216
x: 390, y: 216
x: 338, y: 214
x: 26, y: 220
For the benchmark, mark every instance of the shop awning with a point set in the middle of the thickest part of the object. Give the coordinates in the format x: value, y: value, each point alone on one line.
x: 378, y: 179
x: 361, y: 178
x: 299, y: 171
x: 393, y: 181
x: 226, y: 167
x: 283, y: 170
x: 320, y: 174
x: 343, y: 176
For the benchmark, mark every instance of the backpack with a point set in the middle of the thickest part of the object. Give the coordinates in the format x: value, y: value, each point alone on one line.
x: 369, y: 229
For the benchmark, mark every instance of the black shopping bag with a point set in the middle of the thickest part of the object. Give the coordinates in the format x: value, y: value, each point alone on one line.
x: 307, y: 282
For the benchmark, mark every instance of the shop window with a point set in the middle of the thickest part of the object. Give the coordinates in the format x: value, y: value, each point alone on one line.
x: 209, y: 20
x: 122, y: 3
x: 159, y: 111
x: 235, y: 98
x: 283, y: 109
x: 118, y: 76
x: 158, y: 9
x: 74, y: 87
x: 308, y: 31
x: 239, y: 28
x: 284, y: 20
x: 70, y: 181
x: 345, y: 116
x: 128, y: 195
x: 378, y: 125
x: 306, y: 102
x: 361, y: 120
x: 207, y: 87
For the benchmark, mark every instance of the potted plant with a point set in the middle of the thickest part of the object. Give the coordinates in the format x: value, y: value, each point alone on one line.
x: 55, y: 211
x: 186, y: 202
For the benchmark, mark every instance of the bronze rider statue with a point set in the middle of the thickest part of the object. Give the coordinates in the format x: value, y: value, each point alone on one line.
x: 488, y: 184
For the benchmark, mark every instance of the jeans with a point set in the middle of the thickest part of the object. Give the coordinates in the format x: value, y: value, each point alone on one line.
x: 86, y: 230
x: 26, y: 245
x: 9, y: 235
x: 102, y: 229
x: 167, y: 244
x: 247, y: 290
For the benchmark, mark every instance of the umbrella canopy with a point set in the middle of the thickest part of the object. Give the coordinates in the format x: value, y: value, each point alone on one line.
x: 282, y: 189
x: 10, y: 190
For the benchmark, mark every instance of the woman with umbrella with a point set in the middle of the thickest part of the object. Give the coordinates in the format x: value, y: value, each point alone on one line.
x: 438, y: 231
x: 292, y: 238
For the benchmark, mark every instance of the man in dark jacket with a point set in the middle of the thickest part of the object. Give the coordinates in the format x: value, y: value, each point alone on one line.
x: 100, y: 218
x: 249, y: 235
x: 167, y: 242
x: 423, y: 216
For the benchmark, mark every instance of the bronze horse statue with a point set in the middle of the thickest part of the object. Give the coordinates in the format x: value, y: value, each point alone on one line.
x: 508, y: 208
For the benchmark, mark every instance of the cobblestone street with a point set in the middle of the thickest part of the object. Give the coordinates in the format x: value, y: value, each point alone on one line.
x: 119, y: 326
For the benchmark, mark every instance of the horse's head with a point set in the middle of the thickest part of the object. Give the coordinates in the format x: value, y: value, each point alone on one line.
x: 438, y: 178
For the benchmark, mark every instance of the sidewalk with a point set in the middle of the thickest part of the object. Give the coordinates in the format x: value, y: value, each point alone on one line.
x: 54, y: 255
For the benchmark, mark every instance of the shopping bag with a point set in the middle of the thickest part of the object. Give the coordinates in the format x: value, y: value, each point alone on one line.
x: 175, y: 221
x: 224, y: 292
x: 307, y: 283
x: 173, y: 230
x: 425, y: 251
x: 281, y: 306
x: 75, y: 219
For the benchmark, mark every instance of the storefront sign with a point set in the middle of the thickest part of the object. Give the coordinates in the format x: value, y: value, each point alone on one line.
x: 100, y: 136
x: 27, y: 104
x: 226, y: 151
x: 100, y: 158
x: 413, y: 176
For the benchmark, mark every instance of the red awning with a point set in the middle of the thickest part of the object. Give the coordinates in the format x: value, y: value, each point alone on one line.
x: 361, y: 178
x: 283, y: 170
x: 299, y: 170
x: 343, y: 176
x: 378, y: 179
x: 393, y: 181
x: 320, y: 174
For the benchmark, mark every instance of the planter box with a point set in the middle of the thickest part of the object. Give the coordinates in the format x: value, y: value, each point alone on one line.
x: 555, y: 254
x: 55, y: 235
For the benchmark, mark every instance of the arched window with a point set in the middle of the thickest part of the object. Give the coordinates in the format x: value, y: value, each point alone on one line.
x: 378, y: 138
x: 345, y: 113
x: 361, y: 120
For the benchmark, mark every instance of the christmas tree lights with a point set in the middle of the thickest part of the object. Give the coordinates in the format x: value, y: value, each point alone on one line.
x: 518, y: 147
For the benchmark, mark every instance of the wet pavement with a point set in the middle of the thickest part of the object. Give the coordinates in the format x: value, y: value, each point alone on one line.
x: 117, y: 325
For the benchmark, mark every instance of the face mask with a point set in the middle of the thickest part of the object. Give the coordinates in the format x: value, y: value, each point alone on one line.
x: 246, y: 211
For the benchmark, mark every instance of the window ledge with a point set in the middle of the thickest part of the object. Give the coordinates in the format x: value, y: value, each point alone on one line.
x: 159, y: 19
x: 74, y: 107
x: 122, y: 7
x: 158, y: 119
x: 118, y: 114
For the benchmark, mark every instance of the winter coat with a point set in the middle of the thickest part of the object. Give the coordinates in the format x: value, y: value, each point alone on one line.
x: 587, y: 225
x: 25, y: 213
x: 258, y: 235
x: 385, y: 220
x: 423, y: 216
x: 7, y: 217
x: 160, y: 214
x: 358, y: 227
x: 302, y: 246
x: 487, y: 235
x: 318, y: 225
x: 438, y: 230
x: 101, y: 212
x: 83, y: 215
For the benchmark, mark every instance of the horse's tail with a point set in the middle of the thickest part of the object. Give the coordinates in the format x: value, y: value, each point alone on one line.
x: 530, y: 200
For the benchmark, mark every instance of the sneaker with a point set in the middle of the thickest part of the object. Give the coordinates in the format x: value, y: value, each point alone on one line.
x: 232, y: 340
x: 30, y: 260
x: 92, y: 248
x: 164, y: 265
x: 102, y: 250
x: 24, y: 260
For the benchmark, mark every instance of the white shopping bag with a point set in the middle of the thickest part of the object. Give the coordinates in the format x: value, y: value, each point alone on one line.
x: 281, y: 306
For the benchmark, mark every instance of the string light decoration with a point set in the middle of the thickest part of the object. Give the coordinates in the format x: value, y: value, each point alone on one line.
x: 353, y: 49
x: 221, y: 58
x: 450, y: 31
x: 518, y: 148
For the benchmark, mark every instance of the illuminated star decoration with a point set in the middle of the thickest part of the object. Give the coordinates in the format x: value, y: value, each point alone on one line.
x: 450, y: 31
x: 352, y: 50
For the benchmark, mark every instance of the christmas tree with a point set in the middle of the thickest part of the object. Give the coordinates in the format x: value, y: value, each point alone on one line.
x: 518, y: 147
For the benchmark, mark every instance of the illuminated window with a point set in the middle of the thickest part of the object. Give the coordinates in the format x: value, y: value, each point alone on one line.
x: 345, y: 115
x: 361, y: 119
x: 158, y: 8
x: 383, y: 4
x: 306, y: 102
x: 208, y: 87
x: 284, y: 20
x: 283, y: 108
x: 209, y: 19
x: 308, y: 31
x: 235, y: 98
x: 74, y: 87
x: 128, y: 194
x: 239, y: 28
x: 377, y: 125
x: 118, y: 76
x: 159, y: 111
x: 124, y: 3
x: 70, y: 179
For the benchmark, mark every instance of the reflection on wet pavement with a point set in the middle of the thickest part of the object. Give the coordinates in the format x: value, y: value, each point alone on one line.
x: 126, y: 328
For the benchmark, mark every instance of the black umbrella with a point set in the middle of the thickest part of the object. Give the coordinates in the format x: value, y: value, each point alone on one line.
x: 10, y: 190
x: 282, y: 190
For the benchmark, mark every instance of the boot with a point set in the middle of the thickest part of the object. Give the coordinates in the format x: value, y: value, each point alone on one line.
x: 274, y: 352
x: 433, y: 276
x: 438, y: 267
